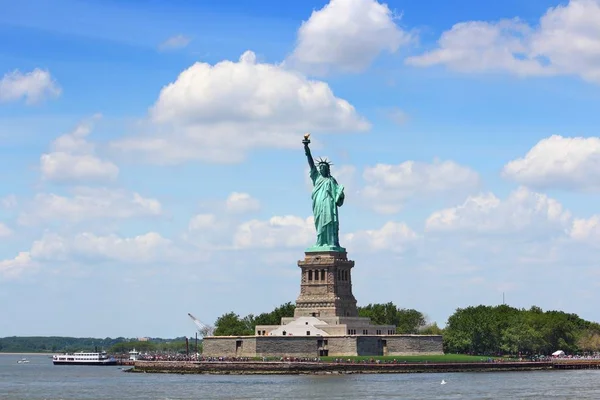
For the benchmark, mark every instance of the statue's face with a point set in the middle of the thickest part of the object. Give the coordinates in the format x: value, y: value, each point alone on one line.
x: 324, y: 169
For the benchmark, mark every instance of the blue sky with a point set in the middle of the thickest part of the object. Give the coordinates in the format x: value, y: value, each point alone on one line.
x: 152, y: 164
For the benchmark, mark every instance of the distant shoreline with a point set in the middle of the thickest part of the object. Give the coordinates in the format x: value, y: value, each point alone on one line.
x: 25, y: 354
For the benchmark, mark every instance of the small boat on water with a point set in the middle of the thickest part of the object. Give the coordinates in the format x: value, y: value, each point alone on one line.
x: 83, y: 358
x: 23, y: 361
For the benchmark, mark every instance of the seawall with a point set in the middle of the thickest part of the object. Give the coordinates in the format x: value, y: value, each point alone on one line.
x: 295, y: 368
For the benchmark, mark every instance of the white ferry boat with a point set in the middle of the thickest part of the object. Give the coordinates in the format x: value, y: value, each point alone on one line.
x: 82, y: 358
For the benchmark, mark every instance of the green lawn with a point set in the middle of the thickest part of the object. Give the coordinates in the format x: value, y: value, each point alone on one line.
x: 445, y: 358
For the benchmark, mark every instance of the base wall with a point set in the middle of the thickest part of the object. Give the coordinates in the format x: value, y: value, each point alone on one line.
x: 405, y: 345
x: 315, y: 346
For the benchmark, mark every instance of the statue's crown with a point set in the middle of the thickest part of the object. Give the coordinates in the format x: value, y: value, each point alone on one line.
x: 324, y: 161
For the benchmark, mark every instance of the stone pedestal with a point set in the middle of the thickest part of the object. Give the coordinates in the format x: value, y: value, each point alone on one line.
x: 326, y: 286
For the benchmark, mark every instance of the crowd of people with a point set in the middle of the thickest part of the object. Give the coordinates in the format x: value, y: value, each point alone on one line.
x: 195, y: 357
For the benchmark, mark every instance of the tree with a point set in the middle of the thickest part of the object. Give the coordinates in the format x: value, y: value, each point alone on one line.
x: 409, y: 321
x: 406, y: 320
x: 521, y: 339
x: 274, y: 317
x: 230, y: 324
x: 432, y: 329
x: 589, y: 340
x: 507, y: 330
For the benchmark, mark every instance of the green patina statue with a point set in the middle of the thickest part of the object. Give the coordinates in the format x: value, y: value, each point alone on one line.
x: 327, y: 196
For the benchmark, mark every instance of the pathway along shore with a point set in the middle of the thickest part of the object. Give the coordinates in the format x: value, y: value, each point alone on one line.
x: 324, y: 368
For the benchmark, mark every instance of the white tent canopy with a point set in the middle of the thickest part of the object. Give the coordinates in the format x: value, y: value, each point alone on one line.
x: 558, y: 353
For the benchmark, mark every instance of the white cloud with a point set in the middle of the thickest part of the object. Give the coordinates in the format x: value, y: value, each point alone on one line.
x: 144, y: 248
x: 70, y: 167
x: 559, y: 162
x: 566, y: 41
x: 5, y: 231
x: 210, y: 233
x: 522, y: 211
x: 175, y: 42
x: 34, y: 86
x: 586, y: 229
x: 393, y: 236
x: 89, y: 203
x: 388, y: 186
x: 479, y: 46
x: 240, y: 203
x: 72, y: 158
x: 75, y: 141
x: 346, y: 35
x: 218, y: 112
x: 279, y: 231
x: 12, y: 268
x: 201, y: 222
x: 569, y: 36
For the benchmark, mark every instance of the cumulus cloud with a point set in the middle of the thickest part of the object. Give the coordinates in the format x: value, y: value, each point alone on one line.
x: 389, y: 186
x: 175, y: 42
x: 201, y: 222
x: 481, y: 46
x: 12, y: 268
x: 566, y: 41
x: 523, y: 210
x: 347, y: 35
x: 70, y: 167
x: 586, y: 230
x: 72, y: 158
x: 392, y: 236
x: 211, y: 233
x: 144, y: 248
x: 240, y: 203
x: 278, y: 231
x: 218, y: 112
x: 559, y: 162
x: 88, y: 203
x: 34, y: 86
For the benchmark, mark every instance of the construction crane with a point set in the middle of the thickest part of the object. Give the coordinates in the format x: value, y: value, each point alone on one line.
x: 203, y: 329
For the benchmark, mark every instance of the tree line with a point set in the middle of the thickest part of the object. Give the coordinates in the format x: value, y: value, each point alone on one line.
x: 61, y: 344
x: 507, y: 330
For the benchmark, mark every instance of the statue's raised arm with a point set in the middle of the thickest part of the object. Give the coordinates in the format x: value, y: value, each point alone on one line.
x: 306, y: 141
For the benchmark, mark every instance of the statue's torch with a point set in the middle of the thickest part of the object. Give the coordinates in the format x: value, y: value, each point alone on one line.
x: 306, y: 140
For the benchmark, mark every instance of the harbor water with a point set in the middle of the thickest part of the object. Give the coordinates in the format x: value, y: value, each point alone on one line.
x: 40, y: 380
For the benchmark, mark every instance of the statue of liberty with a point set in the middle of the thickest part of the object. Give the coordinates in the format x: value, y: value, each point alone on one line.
x: 327, y: 196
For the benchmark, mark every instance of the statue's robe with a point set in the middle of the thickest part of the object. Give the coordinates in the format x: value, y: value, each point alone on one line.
x: 327, y: 196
